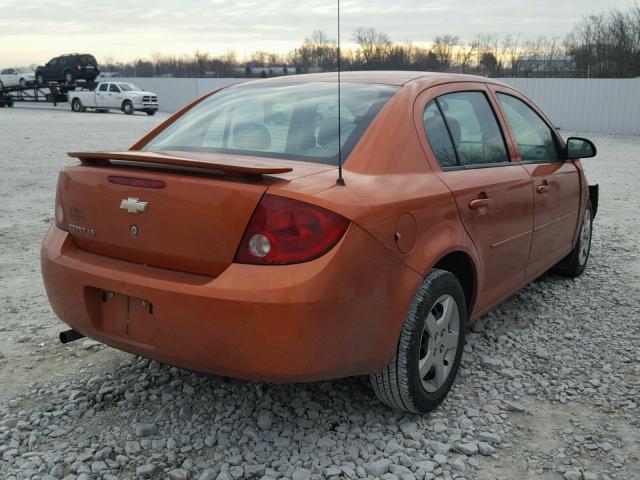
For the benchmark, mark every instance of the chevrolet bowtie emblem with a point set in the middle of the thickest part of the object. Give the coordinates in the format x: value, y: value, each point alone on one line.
x: 133, y: 205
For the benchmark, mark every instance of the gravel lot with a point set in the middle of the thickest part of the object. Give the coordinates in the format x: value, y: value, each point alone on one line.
x: 549, y: 386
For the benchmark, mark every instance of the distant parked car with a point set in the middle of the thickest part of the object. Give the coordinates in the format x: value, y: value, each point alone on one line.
x: 114, y: 95
x: 68, y: 68
x: 12, y: 77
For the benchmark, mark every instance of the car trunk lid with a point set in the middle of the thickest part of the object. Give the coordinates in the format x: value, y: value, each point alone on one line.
x: 167, y: 210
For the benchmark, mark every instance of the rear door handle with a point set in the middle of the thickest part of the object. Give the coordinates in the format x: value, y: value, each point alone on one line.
x: 544, y: 187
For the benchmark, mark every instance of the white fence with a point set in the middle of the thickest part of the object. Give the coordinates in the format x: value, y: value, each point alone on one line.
x: 583, y: 105
x: 586, y: 105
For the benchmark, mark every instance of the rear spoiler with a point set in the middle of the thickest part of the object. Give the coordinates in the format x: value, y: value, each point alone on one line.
x: 206, y: 161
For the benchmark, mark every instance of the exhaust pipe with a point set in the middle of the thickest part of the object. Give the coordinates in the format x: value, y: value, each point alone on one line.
x: 70, y: 335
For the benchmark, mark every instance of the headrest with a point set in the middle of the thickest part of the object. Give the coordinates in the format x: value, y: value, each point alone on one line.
x: 251, y: 136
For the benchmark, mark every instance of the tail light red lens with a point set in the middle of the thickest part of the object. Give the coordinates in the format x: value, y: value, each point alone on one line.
x: 284, y: 231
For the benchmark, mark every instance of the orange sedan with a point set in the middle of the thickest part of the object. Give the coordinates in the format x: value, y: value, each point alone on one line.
x: 221, y: 241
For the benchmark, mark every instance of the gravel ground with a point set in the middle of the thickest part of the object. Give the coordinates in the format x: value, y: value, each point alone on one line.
x: 549, y: 386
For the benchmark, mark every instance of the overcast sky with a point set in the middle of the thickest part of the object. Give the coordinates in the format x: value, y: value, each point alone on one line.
x: 34, y: 31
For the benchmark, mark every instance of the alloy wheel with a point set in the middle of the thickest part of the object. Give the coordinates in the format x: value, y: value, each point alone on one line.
x: 585, y: 237
x: 439, y: 343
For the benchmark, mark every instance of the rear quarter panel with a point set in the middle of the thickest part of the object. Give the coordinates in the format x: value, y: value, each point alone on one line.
x: 389, y: 182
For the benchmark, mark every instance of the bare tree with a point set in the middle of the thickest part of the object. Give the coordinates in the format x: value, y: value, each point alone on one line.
x: 374, y: 45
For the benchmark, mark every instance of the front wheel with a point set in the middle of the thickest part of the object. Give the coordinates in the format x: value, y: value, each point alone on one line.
x: 127, y: 107
x: 576, y: 262
x: 151, y: 113
x: 429, y: 350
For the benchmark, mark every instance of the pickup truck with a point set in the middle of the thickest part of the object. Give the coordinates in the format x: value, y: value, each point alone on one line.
x: 114, y: 95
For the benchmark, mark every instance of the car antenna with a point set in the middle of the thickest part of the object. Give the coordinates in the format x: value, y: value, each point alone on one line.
x: 340, y: 180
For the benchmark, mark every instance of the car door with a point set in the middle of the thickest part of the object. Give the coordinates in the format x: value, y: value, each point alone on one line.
x: 10, y: 77
x: 114, y: 97
x: 102, y: 95
x: 493, y: 194
x: 556, y: 182
x: 52, y: 71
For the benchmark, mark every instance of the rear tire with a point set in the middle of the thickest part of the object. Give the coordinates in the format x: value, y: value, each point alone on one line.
x: 429, y: 350
x: 127, y: 107
x: 151, y: 113
x: 76, y: 106
x: 576, y: 262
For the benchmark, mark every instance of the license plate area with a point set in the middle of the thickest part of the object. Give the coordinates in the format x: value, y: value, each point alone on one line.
x: 122, y: 316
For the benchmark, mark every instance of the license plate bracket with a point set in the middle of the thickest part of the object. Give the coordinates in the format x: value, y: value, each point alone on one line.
x: 127, y: 317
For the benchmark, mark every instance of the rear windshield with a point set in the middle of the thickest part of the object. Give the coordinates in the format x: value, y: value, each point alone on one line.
x: 88, y: 60
x: 293, y: 121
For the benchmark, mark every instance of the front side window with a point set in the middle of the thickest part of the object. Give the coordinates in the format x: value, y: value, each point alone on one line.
x: 297, y: 121
x: 438, y: 136
x: 474, y: 129
x: 533, y: 135
x: 129, y: 87
x: 114, y: 88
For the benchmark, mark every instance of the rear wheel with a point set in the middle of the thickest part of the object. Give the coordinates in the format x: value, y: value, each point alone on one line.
x: 76, y: 106
x: 429, y: 350
x: 127, y: 107
x: 576, y: 262
x: 151, y: 113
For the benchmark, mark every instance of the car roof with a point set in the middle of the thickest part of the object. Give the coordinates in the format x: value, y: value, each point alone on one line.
x: 389, y: 77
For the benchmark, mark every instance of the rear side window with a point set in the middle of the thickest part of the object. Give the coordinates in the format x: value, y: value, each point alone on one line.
x: 87, y: 60
x: 475, y: 132
x: 104, y: 87
x: 297, y: 121
x: 533, y: 135
x: 438, y: 136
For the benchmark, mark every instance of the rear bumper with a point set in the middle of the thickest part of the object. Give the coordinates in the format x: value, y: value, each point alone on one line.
x: 337, y: 316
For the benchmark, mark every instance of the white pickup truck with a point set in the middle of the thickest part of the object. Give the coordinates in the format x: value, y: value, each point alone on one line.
x: 114, y: 95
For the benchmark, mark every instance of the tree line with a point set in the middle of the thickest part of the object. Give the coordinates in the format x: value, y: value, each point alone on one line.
x: 603, y: 45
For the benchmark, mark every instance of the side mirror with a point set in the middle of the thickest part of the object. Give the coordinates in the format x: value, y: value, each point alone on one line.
x: 578, y: 147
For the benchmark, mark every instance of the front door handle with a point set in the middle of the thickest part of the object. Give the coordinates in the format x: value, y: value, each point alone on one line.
x: 481, y: 205
x: 543, y: 188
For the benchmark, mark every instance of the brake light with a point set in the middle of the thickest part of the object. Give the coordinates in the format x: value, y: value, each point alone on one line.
x: 78, y: 66
x: 136, y: 182
x: 284, y: 231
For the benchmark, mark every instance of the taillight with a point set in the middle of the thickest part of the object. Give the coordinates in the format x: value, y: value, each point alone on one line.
x: 59, y: 214
x: 78, y: 66
x: 284, y: 231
